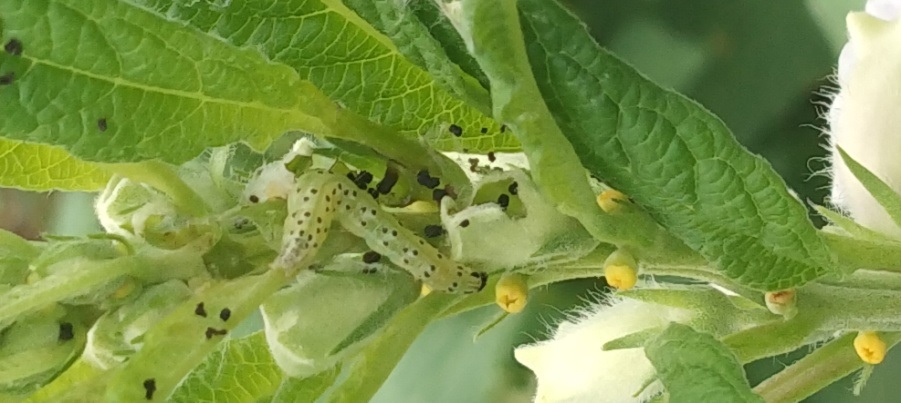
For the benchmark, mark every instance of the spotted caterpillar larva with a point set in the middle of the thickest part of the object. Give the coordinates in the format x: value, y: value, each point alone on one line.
x: 319, y: 197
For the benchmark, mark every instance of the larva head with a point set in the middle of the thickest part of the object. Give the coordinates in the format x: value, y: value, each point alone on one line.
x: 272, y: 181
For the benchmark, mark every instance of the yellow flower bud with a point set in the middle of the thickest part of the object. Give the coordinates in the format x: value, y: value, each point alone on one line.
x: 870, y: 347
x: 621, y: 270
x: 511, y: 293
x: 611, y: 200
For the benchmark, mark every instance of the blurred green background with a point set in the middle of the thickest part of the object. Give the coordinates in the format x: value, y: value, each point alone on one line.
x: 759, y: 65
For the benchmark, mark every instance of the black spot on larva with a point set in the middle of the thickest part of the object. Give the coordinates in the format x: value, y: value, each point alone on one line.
x: 427, y: 180
x: 440, y: 256
x: 315, y: 245
x: 254, y: 199
x: 455, y: 130
x: 7, y: 78
x: 374, y: 193
x: 454, y: 285
x: 432, y: 231
x: 438, y: 194
x: 306, y: 214
x: 346, y: 192
x: 66, y: 331
x: 318, y: 230
x: 199, y: 310
x: 101, y: 124
x: 484, y: 130
x: 13, y: 47
x: 335, y: 191
x: 224, y: 314
x: 415, y: 252
x: 210, y: 332
x: 353, y: 193
x: 310, y: 238
x: 491, y: 156
x: 503, y: 200
x: 513, y: 188
x: 464, y: 223
x: 306, y: 198
x: 432, y: 268
x: 362, y: 223
x: 459, y: 274
x: 371, y: 257
x: 426, y: 274
x: 406, y: 261
x: 347, y: 207
x: 473, y: 164
x: 328, y: 199
x: 405, y: 250
x: 149, y: 388
x: 503, y: 128
x: 388, y: 180
x: 393, y: 233
x: 385, y: 243
x: 319, y: 220
x: 384, y: 230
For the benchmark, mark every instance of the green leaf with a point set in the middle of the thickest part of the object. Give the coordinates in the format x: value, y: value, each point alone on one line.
x: 307, y: 389
x: 882, y: 192
x: 111, y: 81
x: 40, y: 167
x: 673, y: 157
x: 240, y: 370
x: 370, y: 77
x: 695, y: 367
x: 400, y: 22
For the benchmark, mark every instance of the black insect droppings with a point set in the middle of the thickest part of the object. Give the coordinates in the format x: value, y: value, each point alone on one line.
x: 101, y: 124
x: 66, y: 331
x: 513, y: 188
x: 456, y: 130
x: 371, y: 257
x: 433, y: 231
x: 149, y: 388
x: 210, y: 332
x: 473, y: 164
x: 484, y: 130
x: 7, y: 78
x: 200, y: 310
x: 373, y: 192
x: 388, y: 180
x: 224, y: 314
x: 254, y: 199
x: 503, y: 200
x: 491, y: 156
x: 362, y: 179
x: 13, y: 47
x: 427, y: 180
x: 503, y: 128
x: 438, y: 194
x: 464, y: 223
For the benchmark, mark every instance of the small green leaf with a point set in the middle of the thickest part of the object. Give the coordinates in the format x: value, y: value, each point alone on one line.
x: 240, y: 370
x: 882, y: 192
x: 41, y: 167
x: 673, y: 157
x: 695, y: 367
x: 851, y: 227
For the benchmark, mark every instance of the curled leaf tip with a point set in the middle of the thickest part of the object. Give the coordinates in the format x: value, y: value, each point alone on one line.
x: 611, y: 200
x: 511, y: 293
x: 782, y: 303
x: 870, y: 347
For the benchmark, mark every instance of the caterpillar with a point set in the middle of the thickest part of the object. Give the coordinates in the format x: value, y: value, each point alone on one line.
x: 319, y: 197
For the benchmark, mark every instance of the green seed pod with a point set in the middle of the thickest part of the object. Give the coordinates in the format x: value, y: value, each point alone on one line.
x: 117, y: 335
x: 323, y: 318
